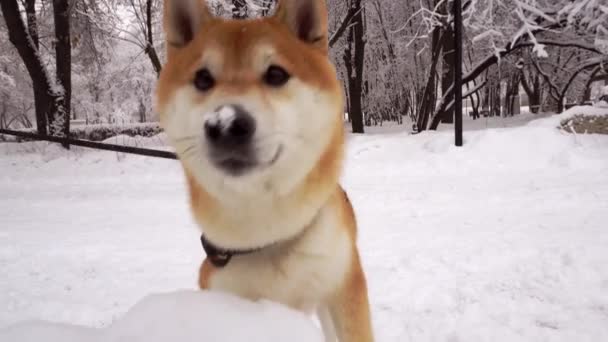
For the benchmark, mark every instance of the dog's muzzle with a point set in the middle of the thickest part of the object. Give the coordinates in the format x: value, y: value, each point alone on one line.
x: 229, y: 133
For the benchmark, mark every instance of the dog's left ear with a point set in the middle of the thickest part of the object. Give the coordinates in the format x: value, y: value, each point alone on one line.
x: 183, y: 20
x: 307, y: 19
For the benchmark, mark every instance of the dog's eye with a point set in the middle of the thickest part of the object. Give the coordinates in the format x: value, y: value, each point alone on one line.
x: 276, y: 76
x: 203, y: 80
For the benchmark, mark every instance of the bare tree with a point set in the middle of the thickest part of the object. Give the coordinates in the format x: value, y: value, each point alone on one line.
x: 145, y: 12
x: 48, y: 97
x: 353, y: 61
x: 32, y: 22
x: 150, y: 50
x: 63, y: 60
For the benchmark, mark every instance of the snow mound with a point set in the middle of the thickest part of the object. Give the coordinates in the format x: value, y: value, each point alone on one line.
x: 585, y: 111
x: 182, y: 316
x: 556, y: 120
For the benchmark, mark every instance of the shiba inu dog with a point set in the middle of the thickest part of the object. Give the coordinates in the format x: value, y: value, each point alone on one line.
x: 254, y: 110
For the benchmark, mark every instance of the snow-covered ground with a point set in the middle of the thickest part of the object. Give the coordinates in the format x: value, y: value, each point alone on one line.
x: 184, y: 316
x: 505, y: 239
x: 469, y: 123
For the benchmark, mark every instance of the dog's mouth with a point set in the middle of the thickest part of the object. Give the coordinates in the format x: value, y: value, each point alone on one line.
x: 238, y: 163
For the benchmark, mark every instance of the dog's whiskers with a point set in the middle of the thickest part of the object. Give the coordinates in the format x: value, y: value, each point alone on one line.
x: 184, y: 139
x: 189, y: 150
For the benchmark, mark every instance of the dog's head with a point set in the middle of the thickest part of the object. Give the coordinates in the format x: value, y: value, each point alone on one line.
x: 249, y: 105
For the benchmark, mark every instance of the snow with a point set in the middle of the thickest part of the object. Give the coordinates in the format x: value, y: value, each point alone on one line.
x: 580, y: 110
x: 485, y: 34
x: 503, y: 239
x: 183, y: 316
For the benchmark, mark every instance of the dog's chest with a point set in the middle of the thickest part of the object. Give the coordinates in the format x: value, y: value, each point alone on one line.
x: 299, y: 274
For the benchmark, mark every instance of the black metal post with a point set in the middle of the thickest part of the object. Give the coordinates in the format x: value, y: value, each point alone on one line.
x: 458, y: 71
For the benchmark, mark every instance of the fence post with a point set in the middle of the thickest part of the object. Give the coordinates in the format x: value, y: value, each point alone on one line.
x: 458, y: 72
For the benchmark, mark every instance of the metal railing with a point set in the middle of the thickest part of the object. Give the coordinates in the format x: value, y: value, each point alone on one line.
x: 92, y: 144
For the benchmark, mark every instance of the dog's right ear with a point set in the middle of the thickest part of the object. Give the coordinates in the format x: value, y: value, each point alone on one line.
x: 183, y: 19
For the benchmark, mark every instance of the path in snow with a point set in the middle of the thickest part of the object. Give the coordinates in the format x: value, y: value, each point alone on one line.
x: 502, y: 240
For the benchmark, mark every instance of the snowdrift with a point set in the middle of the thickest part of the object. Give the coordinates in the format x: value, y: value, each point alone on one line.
x: 583, y: 110
x: 182, y: 316
x: 503, y: 239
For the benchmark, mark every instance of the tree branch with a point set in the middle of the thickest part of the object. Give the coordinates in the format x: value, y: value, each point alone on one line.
x: 342, y: 28
x: 555, y: 90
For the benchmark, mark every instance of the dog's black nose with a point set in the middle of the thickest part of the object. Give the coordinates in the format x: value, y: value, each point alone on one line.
x: 232, y: 127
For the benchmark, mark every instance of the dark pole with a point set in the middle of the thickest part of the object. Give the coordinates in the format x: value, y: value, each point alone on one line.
x: 458, y: 71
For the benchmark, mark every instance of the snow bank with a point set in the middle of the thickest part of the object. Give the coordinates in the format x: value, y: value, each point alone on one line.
x: 503, y: 239
x: 556, y: 119
x: 584, y: 110
x: 159, y: 140
x: 182, y: 316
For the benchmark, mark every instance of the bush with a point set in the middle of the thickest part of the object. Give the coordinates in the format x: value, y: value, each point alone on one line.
x: 586, y: 124
x: 101, y: 132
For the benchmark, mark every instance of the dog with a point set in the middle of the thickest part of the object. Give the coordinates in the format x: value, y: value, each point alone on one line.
x: 253, y: 109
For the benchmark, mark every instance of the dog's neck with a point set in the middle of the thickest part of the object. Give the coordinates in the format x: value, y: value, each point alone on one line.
x: 220, y: 256
x: 256, y: 223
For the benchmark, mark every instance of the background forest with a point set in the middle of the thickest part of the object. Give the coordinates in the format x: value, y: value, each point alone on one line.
x: 97, y: 61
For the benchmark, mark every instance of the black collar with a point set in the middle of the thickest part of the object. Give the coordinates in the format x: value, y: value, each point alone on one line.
x: 219, y: 256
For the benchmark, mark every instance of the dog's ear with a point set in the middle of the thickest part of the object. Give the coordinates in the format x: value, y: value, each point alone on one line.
x: 183, y: 19
x: 307, y: 19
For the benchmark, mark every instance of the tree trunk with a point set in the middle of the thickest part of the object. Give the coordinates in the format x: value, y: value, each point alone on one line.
x: 46, y: 100
x: 485, y: 98
x: 348, y: 65
x: 549, y: 103
x: 150, y: 50
x: 587, y: 89
x: 512, y: 91
x: 142, y: 111
x: 496, y: 99
x: 354, y: 67
x: 32, y: 22
x: 475, y: 106
x: 63, y: 60
x: 475, y: 98
x: 532, y: 89
x: 427, y: 104
x: 448, y: 65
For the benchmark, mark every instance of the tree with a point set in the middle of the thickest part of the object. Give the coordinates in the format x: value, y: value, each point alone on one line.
x: 48, y: 95
x: 63, y: 60
x: 353, y: 60
x: 521, y: 24
x: 448, y: 56
x: 145, y: 13
x: 393, y: 57
x: 429, y: 96
x: 531, y: 83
